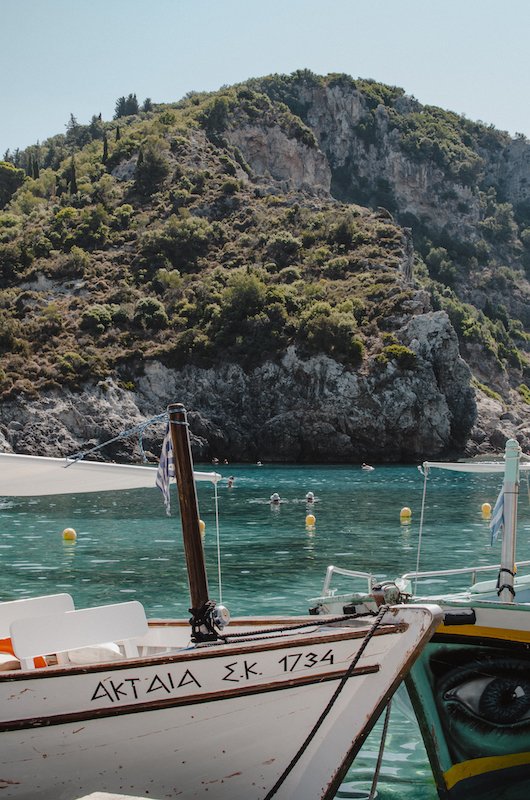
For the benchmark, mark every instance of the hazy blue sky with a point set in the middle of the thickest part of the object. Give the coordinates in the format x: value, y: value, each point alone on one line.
x: 59, y: 57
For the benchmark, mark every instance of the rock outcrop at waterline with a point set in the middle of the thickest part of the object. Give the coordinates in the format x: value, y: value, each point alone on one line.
x: 290, y: 410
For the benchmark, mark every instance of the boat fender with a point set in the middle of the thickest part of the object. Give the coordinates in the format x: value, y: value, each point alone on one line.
x: 461, y: 616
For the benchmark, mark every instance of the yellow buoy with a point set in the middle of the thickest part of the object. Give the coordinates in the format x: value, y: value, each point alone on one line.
x: 405, y: 513
x: 69, y: 535
x: 486, y: 510
x: 202, y: 528
x: 310, y: 520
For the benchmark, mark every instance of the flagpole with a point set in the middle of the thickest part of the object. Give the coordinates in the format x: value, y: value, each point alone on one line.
x: 509, y: 538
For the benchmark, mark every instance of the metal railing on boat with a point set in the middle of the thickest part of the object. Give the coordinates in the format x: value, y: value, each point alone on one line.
x: 460, y: 571
x: 408, y: 576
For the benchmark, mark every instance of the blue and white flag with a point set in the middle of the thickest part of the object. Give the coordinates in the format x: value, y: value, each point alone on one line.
x: 497, y: 517
x: 166, y: 470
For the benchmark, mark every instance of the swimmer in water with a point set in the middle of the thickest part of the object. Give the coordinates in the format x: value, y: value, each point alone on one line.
x: 231, y: 480
x: 275, y: 499
x: 310, y: 497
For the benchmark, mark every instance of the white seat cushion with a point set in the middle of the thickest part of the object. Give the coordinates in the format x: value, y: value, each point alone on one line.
x: 7, y: 661
x: 108, y: 651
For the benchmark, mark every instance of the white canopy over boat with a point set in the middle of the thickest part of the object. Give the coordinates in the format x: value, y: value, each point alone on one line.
x: 29, y: 476
x: 474, y: 466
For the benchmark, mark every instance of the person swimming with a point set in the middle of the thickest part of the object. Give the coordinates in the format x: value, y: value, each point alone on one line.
x: 275, y: 498
x: 310, y: 497
x: 231, y: 480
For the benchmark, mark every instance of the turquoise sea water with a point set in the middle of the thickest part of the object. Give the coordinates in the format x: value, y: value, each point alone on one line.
x: 271, y: 562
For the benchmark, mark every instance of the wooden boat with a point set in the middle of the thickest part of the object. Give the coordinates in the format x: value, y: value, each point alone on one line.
x: 262, y: 708
x: 470, y: 687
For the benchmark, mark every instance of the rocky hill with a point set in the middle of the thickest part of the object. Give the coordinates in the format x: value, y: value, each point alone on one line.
x: 320, y: 269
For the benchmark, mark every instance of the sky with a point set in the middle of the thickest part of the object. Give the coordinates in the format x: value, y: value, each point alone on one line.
x: 62, y: 57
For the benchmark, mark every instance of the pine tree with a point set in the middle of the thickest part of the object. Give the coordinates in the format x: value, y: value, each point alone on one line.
x: 131, y: 104
x: 119, y: 109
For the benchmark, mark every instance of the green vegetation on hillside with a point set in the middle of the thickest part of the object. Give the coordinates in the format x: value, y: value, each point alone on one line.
x: 149, y: 236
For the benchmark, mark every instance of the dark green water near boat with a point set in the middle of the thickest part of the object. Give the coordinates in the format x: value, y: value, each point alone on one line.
x: 271, y: 561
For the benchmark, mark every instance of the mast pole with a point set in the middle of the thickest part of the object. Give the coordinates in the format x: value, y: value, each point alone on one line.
x: 189, y: 508
x: 509, y: 539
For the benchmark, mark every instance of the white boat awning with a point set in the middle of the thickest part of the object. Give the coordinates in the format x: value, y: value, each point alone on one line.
x: 30, y: 476
x: 477, y: 466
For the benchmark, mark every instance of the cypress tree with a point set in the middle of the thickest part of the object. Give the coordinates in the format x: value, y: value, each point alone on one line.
x: 73, y: 177
x: 118, y: 134
x: 105, y: 149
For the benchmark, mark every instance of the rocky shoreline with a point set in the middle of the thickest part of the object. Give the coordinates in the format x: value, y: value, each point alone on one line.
x: 293, y: 410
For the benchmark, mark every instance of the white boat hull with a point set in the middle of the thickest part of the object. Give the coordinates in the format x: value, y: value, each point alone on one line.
x: 223, y: 721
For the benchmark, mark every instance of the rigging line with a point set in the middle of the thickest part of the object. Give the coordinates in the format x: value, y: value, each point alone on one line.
x: 216, y: 495
x: 73, y: 459
x: 373, y: 788
x: 283, y: 777
x: 425, y: 476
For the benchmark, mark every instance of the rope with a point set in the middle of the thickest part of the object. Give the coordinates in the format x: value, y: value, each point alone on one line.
x: 139, y: 429
x: 281, y: 780
x: 500, y: 586
x: 285, y: 629
x: 218, y: 538
x: 425, y: 474
x: 505, y: 586
x: 381, y: 751
x: 202, y: 626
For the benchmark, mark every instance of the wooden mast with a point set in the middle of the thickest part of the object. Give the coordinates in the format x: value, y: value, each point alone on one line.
x: 189, y: 509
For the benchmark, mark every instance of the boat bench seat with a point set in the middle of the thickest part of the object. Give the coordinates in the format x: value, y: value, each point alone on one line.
x: 59, y: 633
x: 12, y: 610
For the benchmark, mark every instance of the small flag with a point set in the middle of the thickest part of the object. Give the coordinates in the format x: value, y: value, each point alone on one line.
x: 166, y: 470
x: 497, y: 517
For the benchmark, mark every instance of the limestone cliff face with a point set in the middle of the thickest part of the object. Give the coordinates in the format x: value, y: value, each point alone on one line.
x: 354, y: 169
x: 272, y: 154
x: 361, y: 159
x: 364, y: 170
x: 292, y: 410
